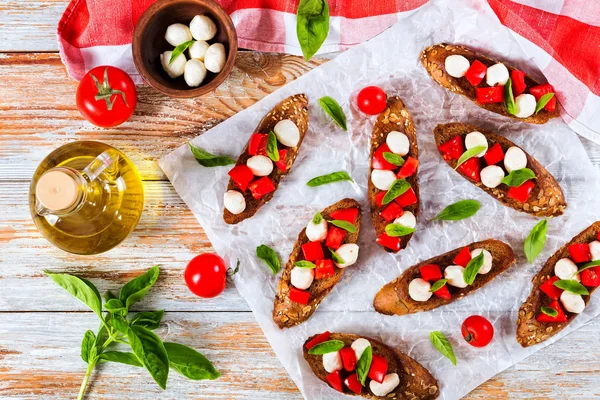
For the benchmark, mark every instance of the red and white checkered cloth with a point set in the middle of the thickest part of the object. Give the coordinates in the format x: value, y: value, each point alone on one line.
x: 561, y: 36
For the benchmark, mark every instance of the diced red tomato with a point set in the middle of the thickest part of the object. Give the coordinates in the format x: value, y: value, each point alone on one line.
x: 392, y: 243
x: 353, y: 384
x: 282, y: 164
x: 347, y: 214
x: 580, y: 253
x: 471, y: 169
x: 453, y: 148
x: 299, y: 296
x: 494, y: 155
x: 258, y: 144
x: 521, y: 193
x: 324, y: 269
x: 443, y: 292
x: 391, y: 212
x: 540, y: 90
x: 518, y: 82
x: 313, y: 251
x: 261, y: 187
x: 379, y: 198
x: 476, y: 72
x: 335, y: 380
x: 591, y: 277
x: 560, y: 317
x: 348, y: 358
x: 323, y: 337
x: 489, y: 95
x: 431, y: 272
x: 598, y: 237
x: 335, y: 236
x: 241, y: 176
x: 407, y: 198
x: 379, y: 162
x: 463, y: 257
x: 548, y: 287
x: 408, y: 168
x: 379, y: 367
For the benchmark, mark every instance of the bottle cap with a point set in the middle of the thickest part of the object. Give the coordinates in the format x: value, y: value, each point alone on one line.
x: 56, y: 190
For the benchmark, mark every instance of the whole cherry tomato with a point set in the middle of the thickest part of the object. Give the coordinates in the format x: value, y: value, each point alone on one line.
x: 371, y: 100
x: 477, y: 331
x: 206, y: 275
x: 106, y: 96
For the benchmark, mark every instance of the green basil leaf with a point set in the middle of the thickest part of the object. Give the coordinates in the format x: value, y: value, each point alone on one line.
x: 304, y: 264
x: 189, y: 363
x: 364, y: 365
x: 472, y: 152
x: 473, y: 267
x: 119, y: 323
x: 312, y: 25
x: 399, y: 187
x: 136, y: 289
x: 438, y: 285
x: 101, y: 337
x: 82, y: 289
x: 109, y: 295
x: 327, y: 347
x: 120, y: 357
x: 180, y: 49
x: 207, y: 159
x: 572, y: 286
x: 345, y: 225
x: 151, y: 352
x: 509, y: 99
x: 442, y: 344
x: 541, y: 103
x: 148, y: 319
x: 393, y: 158
x: 535, y: 241
x: 397, y: 230
x: 518, y: 177
x: 317, y: 218
x: 87, y: 345
x: 336, y: 258
x: 270, y: 258
x: 329, y: 178
x: 272, y: 150
x: 115, y: 306
x: 589, y: 265
x: 460, y: 210
x: 549, y: 311
x: 333, y: 109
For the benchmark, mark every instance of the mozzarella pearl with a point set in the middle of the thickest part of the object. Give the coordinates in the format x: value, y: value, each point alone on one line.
x: 177, y: 34
x: 260, y: 165
x: 234, y: 201
x: 407, y: 219
x: 359, y: 345
x: 203, y: 28
x: 214, y: 58
x: 487, y: 260
x: 198, y: 50
x: 454, y: 274
x: 491, y: 176
x: 565, y: 269
x: 497, y: 75
x: 419, y: 290
x: 514, y: 159
x: 177, y: 67
x: 456, y: 66
x: 475, y: 139
x: 301, y: 278
x: 332, y: 361
x: 349, y: 253
x: 316, y: 232
x: 595, y: 250
x: 287, y: 133
x: 382, y: 178
x: 390, y: 382
x: 572, y: 302
x: 398, y: 143
x: 194, y: 73
x: 525, y: 105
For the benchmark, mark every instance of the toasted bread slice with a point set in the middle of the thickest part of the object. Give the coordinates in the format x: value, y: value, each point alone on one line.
x: 394, y: 118
x: 530, y: 331
x: 546, y: 199
x: 287, y: 313
x: 433, y: 59
x: 416, y: 382
x: 393, y: 298
x: 294, y: 108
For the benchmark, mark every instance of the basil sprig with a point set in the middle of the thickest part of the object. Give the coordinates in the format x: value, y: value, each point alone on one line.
x: 345, y: 225
x: 270, y: 258
x: 333, y: 109
x: 272, y: 150
x: 317, y: 218
x: 572, y: 286
x: 460, y: 210
x: 397, y: 230
x: 595, y: 263
x: 549, y: 311
x: 312, y: 25
x: 393, y: 158
x: 438, y: 285
x: 473, y: 267
x: 177, y: 51
x: 541, y: 103
x: 329, y: 178
x: 207, y: 159
x: 442, y: 344
x: 304, y: 264
x: 364, y: 365
x: 509, y: 98
x: 398, y: 188
x: 472, y: 152
x: 518, y: 177
x: 535, y: 241
x: 326, y: 347
x: 336, y: 258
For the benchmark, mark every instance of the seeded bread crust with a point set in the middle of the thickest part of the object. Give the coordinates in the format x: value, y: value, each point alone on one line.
x: 294, y: 108
x: 546, y: 199
x: 433, y: 59
x: 287, y: 313
x: 416, y: 382
x: 394, y: 118
x: 393, y: 298
x: 530, y: 331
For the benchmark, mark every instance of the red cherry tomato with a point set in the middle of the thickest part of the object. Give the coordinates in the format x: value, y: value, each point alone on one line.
x: 106, y: 96
x: 371, y: 100
x: 206, y: 275
x: 477, y: 331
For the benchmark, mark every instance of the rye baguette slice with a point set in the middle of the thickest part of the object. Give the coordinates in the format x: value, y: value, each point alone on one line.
x: 294, y: 108
x: 433, y: 59
x: 393, y: 298
x: 530, y: 331
x: 394, y: 118
x: 546, y: 199
x: 416, y: 382
x: 287, y: 313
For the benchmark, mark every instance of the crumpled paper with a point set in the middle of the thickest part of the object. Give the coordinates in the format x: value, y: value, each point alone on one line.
x: 391, y: 61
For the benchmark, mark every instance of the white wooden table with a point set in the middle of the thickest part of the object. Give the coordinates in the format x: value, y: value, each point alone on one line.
x: 41, y: 326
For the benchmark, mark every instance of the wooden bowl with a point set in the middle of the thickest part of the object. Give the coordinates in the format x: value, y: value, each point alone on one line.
x: 149, y: 43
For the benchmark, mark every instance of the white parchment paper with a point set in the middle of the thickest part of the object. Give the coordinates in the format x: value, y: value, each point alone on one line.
x: 391, y: 61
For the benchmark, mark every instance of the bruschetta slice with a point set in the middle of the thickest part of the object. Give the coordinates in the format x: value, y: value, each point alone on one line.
x: 503, y: 170
x: 393, y: 184
x: 483, y: 81
x: 259, y: 169
x: 335, y: 358
x: 562, y: 288
x: 324, y: 248
x: 412, y: 291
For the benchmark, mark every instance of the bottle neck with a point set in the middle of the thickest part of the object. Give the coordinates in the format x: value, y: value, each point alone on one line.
x: 60, y: 191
